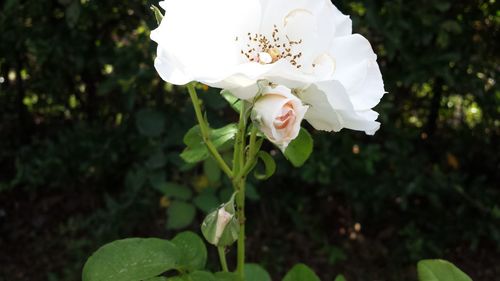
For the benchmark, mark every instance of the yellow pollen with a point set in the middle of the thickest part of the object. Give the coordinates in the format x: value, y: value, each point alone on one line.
x: 274, y: 53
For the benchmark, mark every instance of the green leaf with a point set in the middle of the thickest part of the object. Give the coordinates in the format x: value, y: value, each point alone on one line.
x: 301, y: 272
x: 440, y: 270
x: 180, y: 214
x: 442, y: 6
x: 340, y: 277
x: 222, y: 135
x: 227, y: 276
x: 299, y: 150
x: 270, y: 166
x: 196, y: 150
x: 255, y: 272
x: 206, y: 202
x: 156, y: 160
x: 335, y: 254
x: 179, y: 278
x: 72, y: 13
x: 174, y: 190
x: 135, y: 179
x: 150, y: 123
x: 159, y: 278
x: 193, y: 137
x: 157, y: 13
x: 201, y: 276
x: 132, y: 259
x: 233, y: 101
x: 157, y: 180
x: 11, y: 4
x: 193, y: 253
x: 211, y: 169
x: 195, y: 276
x: 496, y: 212
x: 452, y: 26
x: 169, y: 189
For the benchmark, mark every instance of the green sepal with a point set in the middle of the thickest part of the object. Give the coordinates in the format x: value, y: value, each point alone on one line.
x: 269, y: 166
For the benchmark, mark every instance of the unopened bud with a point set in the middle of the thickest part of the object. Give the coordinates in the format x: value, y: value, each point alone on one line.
x: 223, y: 218
x: 221, y: 227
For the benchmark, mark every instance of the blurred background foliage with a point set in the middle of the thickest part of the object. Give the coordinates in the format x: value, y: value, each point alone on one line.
x: 90, y: 143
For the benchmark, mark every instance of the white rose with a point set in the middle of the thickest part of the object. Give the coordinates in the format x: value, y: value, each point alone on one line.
x: 306, y: 45
x: 232, y: 44
x: 278, y: 114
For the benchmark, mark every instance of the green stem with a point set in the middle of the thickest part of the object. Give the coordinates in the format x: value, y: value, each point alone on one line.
x: 240, y: 201
x: 251, y: 152
x: 239, y: 146
x: 241, y: 167
x: 205, y: 132
x: 239, y: 185
x: 222, y: 257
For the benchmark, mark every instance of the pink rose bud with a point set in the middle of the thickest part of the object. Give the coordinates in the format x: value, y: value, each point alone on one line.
x: 278, y: 114
x: 223, y: 218
x: 220, y: 227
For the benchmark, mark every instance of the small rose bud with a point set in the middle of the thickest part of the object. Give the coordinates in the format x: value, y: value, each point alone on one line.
x: 278, y: 114
x: 223, y: 218
x: 221, y: 227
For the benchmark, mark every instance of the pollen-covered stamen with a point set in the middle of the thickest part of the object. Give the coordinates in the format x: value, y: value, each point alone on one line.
x: 266, y: 50
x: 274, y: 53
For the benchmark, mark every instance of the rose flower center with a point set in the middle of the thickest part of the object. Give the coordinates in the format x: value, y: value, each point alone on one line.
x: 264, y: 50
x: 287, y: 116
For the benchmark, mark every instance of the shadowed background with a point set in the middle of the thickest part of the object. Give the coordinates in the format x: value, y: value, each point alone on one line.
x: 90, y: 137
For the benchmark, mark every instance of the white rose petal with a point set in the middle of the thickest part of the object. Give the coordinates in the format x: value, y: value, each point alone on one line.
x: 332, y: 110
x: 223, y: 218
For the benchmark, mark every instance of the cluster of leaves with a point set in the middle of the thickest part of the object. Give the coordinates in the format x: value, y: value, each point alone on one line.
x: 138, y: 259
x: 184, y: 259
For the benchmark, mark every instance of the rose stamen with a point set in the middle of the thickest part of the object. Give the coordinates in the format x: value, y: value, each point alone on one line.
x: 263, y: 50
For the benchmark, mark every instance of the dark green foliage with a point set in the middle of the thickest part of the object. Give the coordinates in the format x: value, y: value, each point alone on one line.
x: 84, y: 117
